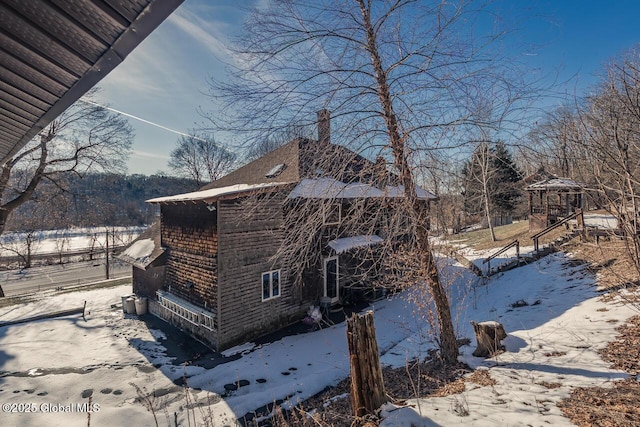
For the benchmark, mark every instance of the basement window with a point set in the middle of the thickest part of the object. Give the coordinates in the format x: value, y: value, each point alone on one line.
x: 270, y: 285
x: 276, y: 170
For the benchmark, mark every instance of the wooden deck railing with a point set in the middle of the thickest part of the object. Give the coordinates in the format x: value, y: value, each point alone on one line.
x: 515, y: 243
x: 536, y: 237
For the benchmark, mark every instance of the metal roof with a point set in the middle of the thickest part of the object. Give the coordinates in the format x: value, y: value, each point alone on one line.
x: 53, y: 51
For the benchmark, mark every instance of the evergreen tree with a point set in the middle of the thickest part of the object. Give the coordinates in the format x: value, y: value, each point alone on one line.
x: 491, y: 173
x: 472, y: 181
x: 506, y: 192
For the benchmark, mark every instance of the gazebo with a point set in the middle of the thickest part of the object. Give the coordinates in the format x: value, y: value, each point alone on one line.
x: 553, y: 199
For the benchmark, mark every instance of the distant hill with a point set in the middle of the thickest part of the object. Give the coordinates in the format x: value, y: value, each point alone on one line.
x: 96, y: 200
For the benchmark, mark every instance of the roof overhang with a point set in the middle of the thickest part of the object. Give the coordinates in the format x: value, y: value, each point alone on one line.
x: 213, y: 194
x: 52, y: 52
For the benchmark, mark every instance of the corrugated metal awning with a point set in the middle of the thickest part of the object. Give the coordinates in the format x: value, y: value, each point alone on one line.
x: 53, y: 51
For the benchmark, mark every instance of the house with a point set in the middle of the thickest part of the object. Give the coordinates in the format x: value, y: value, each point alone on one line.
x: 251, y: 252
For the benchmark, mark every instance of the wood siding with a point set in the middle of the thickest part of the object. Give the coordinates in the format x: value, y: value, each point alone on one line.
x: 147, y: 282
x: 250, y: 233
x: 189, y: 234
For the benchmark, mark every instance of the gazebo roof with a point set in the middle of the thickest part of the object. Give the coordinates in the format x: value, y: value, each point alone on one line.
x: 556, y: 184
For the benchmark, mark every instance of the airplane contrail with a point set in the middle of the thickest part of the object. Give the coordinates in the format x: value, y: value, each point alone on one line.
x: 142, y: 120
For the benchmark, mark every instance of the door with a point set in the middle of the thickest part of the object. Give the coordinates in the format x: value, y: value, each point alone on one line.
x: 331, y: 279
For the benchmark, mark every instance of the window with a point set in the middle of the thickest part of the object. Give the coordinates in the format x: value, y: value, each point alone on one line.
x: 276, y: 170
x: 332, y: 214
x: 270, y: 284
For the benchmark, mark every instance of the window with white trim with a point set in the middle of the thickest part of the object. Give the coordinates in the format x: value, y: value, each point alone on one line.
x: 270, y: 284
x: 332, y: 214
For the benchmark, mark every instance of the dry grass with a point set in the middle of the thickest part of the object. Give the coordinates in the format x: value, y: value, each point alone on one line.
x: 620, y: 404
x: 333, y: 406
x: 597, y: 406
x: 550, y: 385
x: 481, y: 377
x: 481, y: 239
x: 610, y: 260
x: 624, y: 352
x: 505, y: 234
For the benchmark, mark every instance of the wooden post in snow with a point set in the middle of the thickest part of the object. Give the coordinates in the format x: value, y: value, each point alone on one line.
x: 489, y: 336
x: 367, y: 385
x: 106, y: 255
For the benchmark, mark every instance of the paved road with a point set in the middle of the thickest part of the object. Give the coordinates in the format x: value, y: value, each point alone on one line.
x: 16, y: 282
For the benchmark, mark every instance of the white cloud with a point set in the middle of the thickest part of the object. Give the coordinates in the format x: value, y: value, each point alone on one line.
x: 202, y: 31
x: 148, y: 155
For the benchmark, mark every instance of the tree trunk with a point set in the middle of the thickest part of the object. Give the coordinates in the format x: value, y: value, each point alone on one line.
x: 4, y: 215
x: 106, y: 255
x: 448, y: 348
x: 485, y: 190
x: 367, y: 384
x: 27, y: 261
x: 447, y: 337
x: 487, y: 211
x: 488, y: 335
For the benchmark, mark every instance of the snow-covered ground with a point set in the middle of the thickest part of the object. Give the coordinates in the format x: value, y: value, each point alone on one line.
x: 553, y: 341
x: 597, y: 220
x: 554, y: 338
x: 68, y: 240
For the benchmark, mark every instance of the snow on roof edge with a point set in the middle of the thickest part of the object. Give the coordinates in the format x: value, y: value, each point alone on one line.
x: 140, y: 253
x: 215, y: 192
x: 555, y: 183
x: 346, y: 243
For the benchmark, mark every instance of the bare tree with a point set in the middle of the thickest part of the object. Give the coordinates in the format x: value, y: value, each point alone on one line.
x: 200, y: 158
x: 556, y: 143
x: 598, y: 142
x: 276, y: 140
x: 23, y: 245
x: 479, y: 174
x: 399, y: 78
x: 83, y: 138
x: 611, y: 120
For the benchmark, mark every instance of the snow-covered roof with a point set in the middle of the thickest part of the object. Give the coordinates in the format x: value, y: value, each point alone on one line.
x: 329, y: 188
x: 139, y: 253
x: 145, y: 250
x: 555, y: 184
x: 346, y: 243
x: 214, y: 193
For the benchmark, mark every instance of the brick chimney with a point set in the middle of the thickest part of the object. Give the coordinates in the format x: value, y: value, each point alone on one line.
x: 324, y: 126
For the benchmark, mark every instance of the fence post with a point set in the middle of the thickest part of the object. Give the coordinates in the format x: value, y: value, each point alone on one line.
x: 367, y: 385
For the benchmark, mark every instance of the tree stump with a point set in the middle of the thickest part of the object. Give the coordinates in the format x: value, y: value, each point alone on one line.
x: 489, y: 336
x: 367, y: 385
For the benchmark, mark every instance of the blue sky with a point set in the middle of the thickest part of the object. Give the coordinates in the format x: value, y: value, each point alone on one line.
x: 165, y: 79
